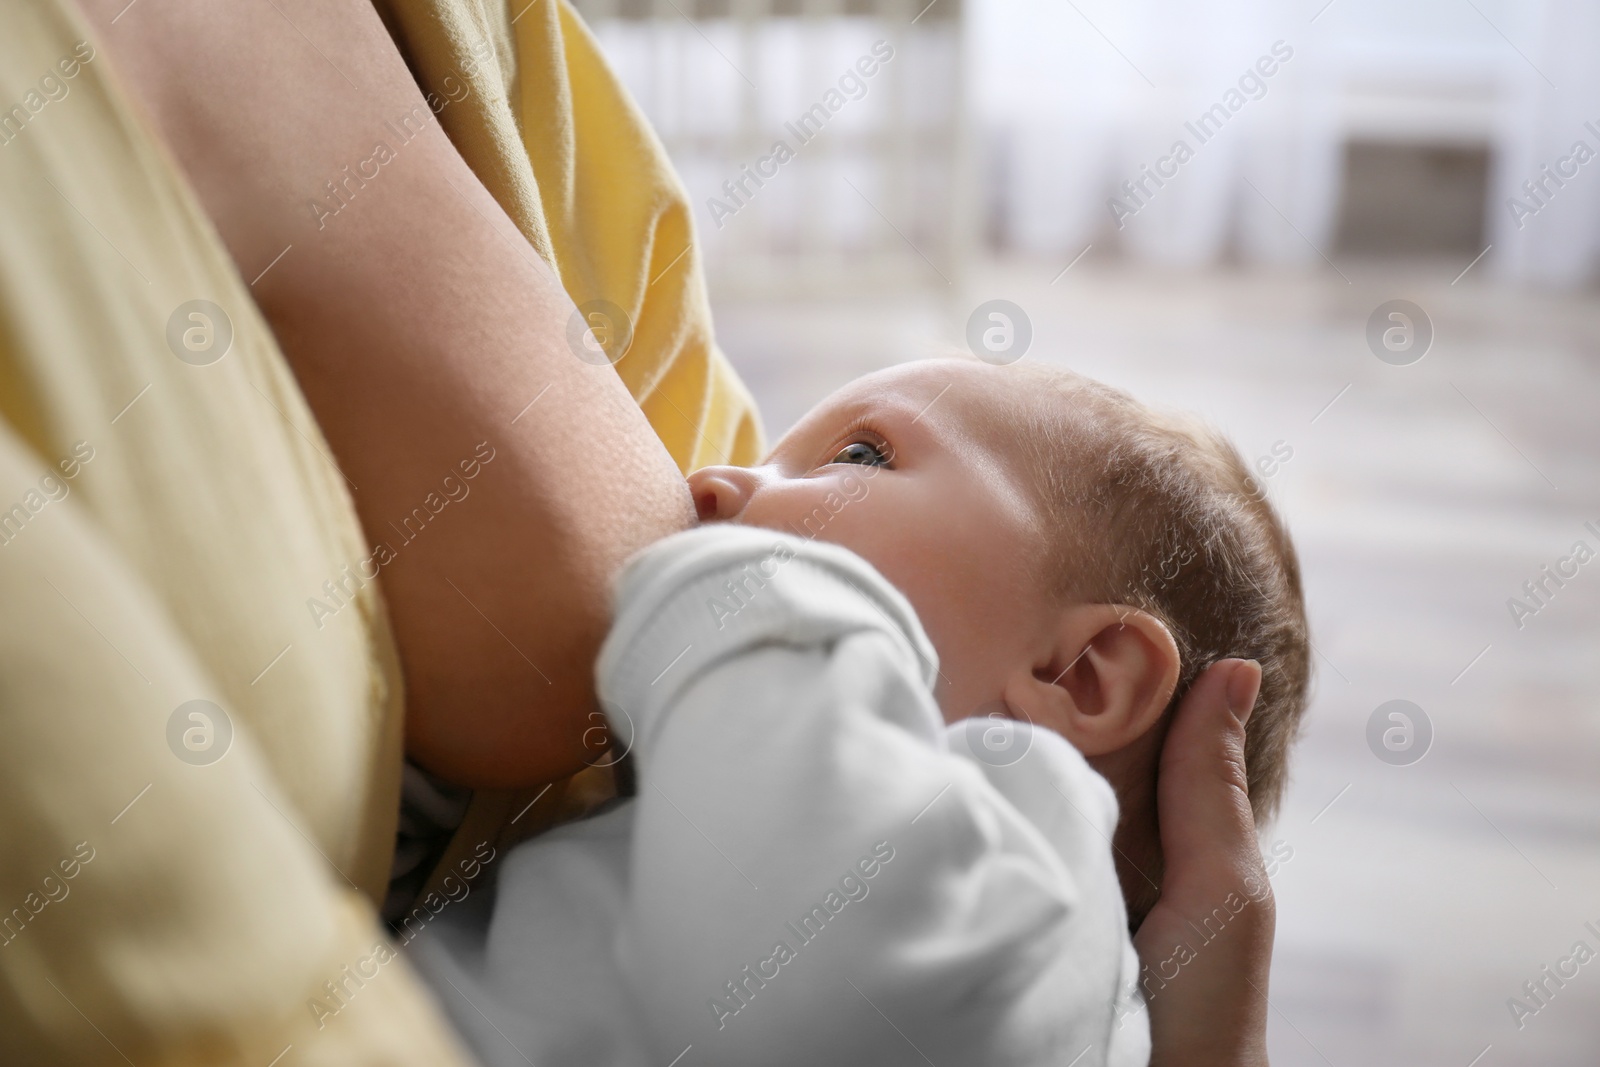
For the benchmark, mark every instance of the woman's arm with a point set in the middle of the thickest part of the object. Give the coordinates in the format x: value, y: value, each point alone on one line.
x: 420, y: 324
x: 1214, y: 1013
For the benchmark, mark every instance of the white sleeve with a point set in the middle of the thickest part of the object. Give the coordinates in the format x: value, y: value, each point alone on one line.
x: 816, y: 877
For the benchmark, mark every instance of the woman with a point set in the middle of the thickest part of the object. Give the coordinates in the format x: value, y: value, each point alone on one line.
x: 428, y: 333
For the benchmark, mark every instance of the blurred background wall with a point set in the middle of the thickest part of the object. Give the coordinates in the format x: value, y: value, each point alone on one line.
x: 1341, y: 156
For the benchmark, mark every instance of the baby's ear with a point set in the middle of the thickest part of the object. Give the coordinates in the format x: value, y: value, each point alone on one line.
x: 1105, y: 680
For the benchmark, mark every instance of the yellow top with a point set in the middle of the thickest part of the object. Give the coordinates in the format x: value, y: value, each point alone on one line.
x: 532, y: 106
x: 194, y: 882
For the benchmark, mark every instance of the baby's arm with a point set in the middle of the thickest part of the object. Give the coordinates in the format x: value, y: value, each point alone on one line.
x: 815, y: 876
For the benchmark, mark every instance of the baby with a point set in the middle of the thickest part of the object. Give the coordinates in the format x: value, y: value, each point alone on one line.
x: 895, y: 711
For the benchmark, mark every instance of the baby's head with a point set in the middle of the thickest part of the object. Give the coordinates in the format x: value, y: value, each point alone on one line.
x: 1076, y: 558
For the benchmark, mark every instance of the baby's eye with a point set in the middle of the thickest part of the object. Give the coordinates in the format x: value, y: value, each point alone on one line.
x: 862, y: 452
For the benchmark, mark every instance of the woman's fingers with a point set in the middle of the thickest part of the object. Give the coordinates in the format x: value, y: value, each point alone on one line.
x: 1202, y: 794
x: 1206, y: 946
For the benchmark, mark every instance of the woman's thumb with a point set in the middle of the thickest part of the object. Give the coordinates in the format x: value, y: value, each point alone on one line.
x: 1203, y: 792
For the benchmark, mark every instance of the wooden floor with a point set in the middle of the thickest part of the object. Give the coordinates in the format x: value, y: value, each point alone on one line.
x: 1419, y: 898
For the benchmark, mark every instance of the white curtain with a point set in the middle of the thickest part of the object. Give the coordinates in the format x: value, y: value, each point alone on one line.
x: 1071, y: 100
x: 1559, y: 244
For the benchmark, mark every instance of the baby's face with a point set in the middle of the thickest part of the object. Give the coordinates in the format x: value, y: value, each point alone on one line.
x: 905, y: 468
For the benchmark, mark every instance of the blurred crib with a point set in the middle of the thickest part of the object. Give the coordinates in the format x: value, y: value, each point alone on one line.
x: 870, y: 194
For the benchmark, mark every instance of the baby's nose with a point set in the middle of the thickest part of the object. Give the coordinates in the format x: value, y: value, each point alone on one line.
x: 721, y: 493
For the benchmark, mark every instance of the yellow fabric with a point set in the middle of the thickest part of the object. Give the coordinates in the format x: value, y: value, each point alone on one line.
x: 528, y: 100
x: 161, y: 527
x: 152, y: 910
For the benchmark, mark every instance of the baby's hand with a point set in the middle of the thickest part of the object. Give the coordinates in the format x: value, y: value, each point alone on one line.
x: 1214, y: 1012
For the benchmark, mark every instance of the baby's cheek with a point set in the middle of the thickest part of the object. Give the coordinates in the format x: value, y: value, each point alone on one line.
x: 812, y: 510
x: 772, y: 510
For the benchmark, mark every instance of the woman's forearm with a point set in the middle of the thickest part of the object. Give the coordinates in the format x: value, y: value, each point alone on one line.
x: 421, y: 326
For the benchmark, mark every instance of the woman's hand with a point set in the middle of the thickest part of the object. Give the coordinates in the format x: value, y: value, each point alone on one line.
x: 1208, y: 998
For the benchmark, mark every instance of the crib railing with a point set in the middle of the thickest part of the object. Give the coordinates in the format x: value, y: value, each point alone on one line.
x: 823, y: 143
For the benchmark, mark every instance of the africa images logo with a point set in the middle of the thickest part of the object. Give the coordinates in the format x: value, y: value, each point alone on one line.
x: 852, y: 85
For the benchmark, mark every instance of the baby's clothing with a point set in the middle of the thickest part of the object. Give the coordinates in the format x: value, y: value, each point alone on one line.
x: 815, y: 869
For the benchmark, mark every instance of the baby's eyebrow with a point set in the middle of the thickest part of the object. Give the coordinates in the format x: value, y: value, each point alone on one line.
x: 893, y: 403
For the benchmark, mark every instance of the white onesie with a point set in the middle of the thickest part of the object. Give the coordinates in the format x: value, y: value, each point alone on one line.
x: 816, y: 870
